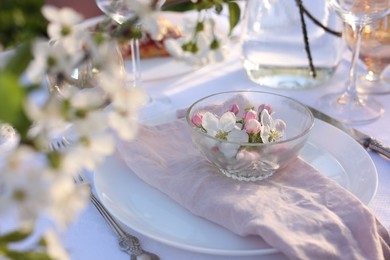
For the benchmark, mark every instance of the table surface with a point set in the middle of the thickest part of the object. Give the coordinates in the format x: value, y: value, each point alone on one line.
x: 90, y: 237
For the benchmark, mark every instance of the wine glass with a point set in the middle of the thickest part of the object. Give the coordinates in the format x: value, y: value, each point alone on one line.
x: 151, y: 112
x: 349, y: 106
x: 375, y: 54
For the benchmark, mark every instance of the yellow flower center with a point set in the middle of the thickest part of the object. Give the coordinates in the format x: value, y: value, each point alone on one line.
x: 221, y: 135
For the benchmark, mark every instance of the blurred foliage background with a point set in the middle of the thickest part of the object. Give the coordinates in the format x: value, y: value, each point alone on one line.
x: 20, y: 20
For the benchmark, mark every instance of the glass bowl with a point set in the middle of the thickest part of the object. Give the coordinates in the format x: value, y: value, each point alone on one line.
x: 244, y: 160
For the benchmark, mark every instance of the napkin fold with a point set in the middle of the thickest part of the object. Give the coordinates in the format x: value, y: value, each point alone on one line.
x: 298, y: 211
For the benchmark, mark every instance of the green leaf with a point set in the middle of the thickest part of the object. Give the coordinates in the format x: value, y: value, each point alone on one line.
x: 11, y: 106
x: 234, y: 15
x: 218, y: 8
x: 20, y: 255
x: 20, y: 60
x: 21, y: 20
x: 29, y: 255
x: 14, y: 236
x: 179, y: 6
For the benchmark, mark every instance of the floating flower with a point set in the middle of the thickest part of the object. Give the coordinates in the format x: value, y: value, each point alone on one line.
x: 225, y: 129
x: 273, y: 129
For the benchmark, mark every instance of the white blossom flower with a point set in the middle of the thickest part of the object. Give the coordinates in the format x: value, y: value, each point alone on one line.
x: 155, y: 26
x: 50, y: 58
x: 89, y: 152
x: 54, y: 247
x: 48, y: 120
x: 128, y: 99
x: 90, y: 124
x: 203, y: 40
x: 272, y: 129
x: 124, y: 124
x: 67, y: 199
x: 224, y: 129
x: 122, y: 118
x: 61, y: 26
x: 25, y: 184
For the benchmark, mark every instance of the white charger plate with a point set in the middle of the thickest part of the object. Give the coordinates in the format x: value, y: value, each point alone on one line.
x: 148, y: 211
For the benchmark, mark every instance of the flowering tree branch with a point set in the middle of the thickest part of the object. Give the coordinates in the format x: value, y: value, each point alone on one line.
x: 87, y: 102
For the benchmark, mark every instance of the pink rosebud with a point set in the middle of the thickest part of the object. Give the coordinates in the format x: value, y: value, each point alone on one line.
x: 265, y: 106
x: 197, y: 119
x: 235, y: 109
x: 249, y: 114
x: 252, y: 126
x: 215, y: 149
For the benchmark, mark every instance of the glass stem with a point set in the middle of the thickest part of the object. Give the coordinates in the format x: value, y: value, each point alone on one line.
x: 351, y: 92
x: 135, y: 62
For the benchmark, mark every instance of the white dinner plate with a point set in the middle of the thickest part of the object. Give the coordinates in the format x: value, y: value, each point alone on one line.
x: 150, y: 212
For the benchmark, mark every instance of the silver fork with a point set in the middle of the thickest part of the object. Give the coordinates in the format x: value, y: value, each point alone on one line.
x: 127, y: 243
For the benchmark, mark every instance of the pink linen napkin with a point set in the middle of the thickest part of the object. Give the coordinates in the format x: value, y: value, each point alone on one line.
x: 298, y: 211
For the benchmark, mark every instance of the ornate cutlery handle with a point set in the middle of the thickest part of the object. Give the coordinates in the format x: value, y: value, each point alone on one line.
x: 127, y: 243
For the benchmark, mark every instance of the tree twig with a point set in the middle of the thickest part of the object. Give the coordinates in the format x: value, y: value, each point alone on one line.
x: 306, y: 39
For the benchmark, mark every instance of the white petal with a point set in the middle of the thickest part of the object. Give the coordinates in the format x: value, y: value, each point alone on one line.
x: 264, y: 133
x: 69, y: 16
x: 173, y: 46
x: 266, y: 119
x: 227, y: 122
x: 54, y: 246
x: 239, y: 136
x: 279, y: 125
x: 210, y: 122
x: 51, y: 13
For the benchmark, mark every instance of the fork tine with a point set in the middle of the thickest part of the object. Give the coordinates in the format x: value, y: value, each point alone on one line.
x: 59, y: 144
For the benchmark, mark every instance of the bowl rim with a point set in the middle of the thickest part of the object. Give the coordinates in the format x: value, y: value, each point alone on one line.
x: 305, y: 132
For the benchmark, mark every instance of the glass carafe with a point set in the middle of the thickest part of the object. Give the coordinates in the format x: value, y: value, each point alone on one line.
x: 274, y: 52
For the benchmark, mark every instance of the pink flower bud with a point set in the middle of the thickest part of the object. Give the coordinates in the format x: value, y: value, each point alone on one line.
x: 250, y: 114
x: 197, y: 119
x: 215, y: 149
x: 252, y: 126
x: 265, y: 106
x: 235, y: 109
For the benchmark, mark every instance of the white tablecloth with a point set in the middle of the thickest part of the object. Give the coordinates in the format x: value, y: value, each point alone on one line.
x: 91, y: 238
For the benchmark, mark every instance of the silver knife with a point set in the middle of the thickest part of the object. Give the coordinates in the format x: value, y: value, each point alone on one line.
x: 366, y: 141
